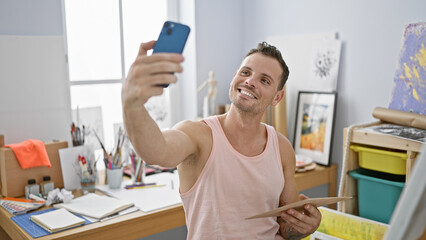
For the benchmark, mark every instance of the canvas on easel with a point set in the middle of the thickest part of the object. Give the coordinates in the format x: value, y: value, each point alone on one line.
x: 409, y: 90
x: 409, y: 217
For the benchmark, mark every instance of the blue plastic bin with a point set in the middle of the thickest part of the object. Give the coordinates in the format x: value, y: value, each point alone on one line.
x: 377, y: 197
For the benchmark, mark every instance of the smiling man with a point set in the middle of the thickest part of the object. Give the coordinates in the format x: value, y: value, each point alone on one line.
x: 230, y: 166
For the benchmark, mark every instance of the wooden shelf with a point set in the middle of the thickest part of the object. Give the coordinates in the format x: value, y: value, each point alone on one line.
x: 373, y: 139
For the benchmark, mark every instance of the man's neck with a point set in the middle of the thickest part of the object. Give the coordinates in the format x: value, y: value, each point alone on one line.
x: 242, y: 127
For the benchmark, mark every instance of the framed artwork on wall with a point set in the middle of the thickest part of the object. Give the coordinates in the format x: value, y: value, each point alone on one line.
x: 314, y: 125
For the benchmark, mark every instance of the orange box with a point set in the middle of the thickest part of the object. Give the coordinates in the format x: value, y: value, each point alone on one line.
x: 14, y: 178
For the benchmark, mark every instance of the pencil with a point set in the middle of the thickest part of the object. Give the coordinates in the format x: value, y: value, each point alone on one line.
x: 139, y: 185
x: 149, y: 186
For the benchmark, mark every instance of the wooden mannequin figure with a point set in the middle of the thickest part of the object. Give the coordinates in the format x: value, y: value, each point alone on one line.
x: 210, y: 98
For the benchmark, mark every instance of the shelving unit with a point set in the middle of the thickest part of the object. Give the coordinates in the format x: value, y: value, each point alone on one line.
x: 372, y: 139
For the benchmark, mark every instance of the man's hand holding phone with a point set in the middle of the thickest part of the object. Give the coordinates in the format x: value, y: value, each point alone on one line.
x: 172, y: 39
x: 147, y: 75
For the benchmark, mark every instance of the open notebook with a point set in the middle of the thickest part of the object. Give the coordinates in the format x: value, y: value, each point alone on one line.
x: 95, y: 206
x: 57, y: 220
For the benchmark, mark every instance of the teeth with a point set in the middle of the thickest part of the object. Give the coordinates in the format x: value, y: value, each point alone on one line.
x: 247, y: 93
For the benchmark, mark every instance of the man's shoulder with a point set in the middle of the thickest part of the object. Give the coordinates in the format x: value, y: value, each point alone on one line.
x: 286, y: 148
x: 192, y: 125
x: 197, y: 128
x: 283, y: 140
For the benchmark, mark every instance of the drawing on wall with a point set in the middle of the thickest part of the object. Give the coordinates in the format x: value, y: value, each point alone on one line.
x: 409, y: 90
x: 324, y: 61
x: 325, y: 64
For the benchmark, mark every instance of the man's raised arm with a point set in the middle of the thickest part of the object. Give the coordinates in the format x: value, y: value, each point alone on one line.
x: 145, y: 76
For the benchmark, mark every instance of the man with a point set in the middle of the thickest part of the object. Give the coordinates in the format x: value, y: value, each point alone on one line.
x: 231, y: 166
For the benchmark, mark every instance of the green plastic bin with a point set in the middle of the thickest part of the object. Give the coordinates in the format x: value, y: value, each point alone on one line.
x: 377, y: 197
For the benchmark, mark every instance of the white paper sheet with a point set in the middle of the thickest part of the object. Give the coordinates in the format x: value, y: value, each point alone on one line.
x: 68, y: 156
x: 149, y: 199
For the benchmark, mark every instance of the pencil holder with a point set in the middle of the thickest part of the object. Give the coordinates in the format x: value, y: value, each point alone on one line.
x: 88, y: 184
x: 115, y: 177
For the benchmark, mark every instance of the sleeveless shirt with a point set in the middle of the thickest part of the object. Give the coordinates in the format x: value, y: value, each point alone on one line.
x: 232, y: 187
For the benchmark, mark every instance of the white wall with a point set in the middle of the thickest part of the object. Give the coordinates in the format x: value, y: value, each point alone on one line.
x: 34, y: 92
x: 219, y: 40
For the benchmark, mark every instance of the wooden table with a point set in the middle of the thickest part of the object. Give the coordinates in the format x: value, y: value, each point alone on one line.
x: 319, y: 176
x: 139, y: 224
x: 131, y: 226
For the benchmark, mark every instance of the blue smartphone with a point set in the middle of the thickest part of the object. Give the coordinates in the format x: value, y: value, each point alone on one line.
x: 172, y: 39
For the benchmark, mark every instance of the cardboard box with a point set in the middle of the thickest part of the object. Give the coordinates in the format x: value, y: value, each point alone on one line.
x: 14, y: 178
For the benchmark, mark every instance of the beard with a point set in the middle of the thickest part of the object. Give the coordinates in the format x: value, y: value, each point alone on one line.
x: 244, y: 106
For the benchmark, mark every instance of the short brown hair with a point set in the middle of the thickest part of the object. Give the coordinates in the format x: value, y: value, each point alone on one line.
x: 271, y: 51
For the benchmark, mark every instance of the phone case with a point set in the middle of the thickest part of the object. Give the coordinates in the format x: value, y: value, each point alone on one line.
x: 172, y: 38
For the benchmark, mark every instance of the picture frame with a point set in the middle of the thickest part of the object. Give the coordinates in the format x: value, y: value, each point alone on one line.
x: 314, y: 125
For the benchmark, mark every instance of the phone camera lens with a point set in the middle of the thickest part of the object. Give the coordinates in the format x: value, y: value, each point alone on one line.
x: 166, y: 24
x: 169, y: 31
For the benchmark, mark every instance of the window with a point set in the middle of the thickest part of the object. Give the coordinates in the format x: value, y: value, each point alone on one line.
x: 103, y: 38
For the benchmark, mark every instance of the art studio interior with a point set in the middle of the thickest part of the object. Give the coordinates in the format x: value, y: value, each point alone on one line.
x: 353, y: 110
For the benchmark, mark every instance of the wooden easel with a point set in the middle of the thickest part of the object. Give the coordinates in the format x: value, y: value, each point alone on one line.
x: 277, y: 116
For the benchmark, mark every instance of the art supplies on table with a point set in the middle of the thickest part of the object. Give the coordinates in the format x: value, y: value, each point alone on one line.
x: 113, y: 160
x: 149, y: 198
x: 77, y: 134
x: 146, y: 186
x: 31, y: 227
x: 87, y: 172
x: 114, y: 177
x: 150, y: 169
x: 137, y: 167
x: 31, y: 188
x: 46, y: 185
x: 19, y: 206
x: 57, y: 220
x: 78, y: 168
x: 120, y: 213
x: 95, y: 206
x: 133, y: 185
x: 68, y: 157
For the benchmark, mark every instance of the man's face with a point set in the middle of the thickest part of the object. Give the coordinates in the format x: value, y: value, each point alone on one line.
x: 255, y: 85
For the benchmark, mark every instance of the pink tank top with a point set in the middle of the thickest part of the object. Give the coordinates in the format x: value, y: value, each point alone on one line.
x: 231, y: 187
